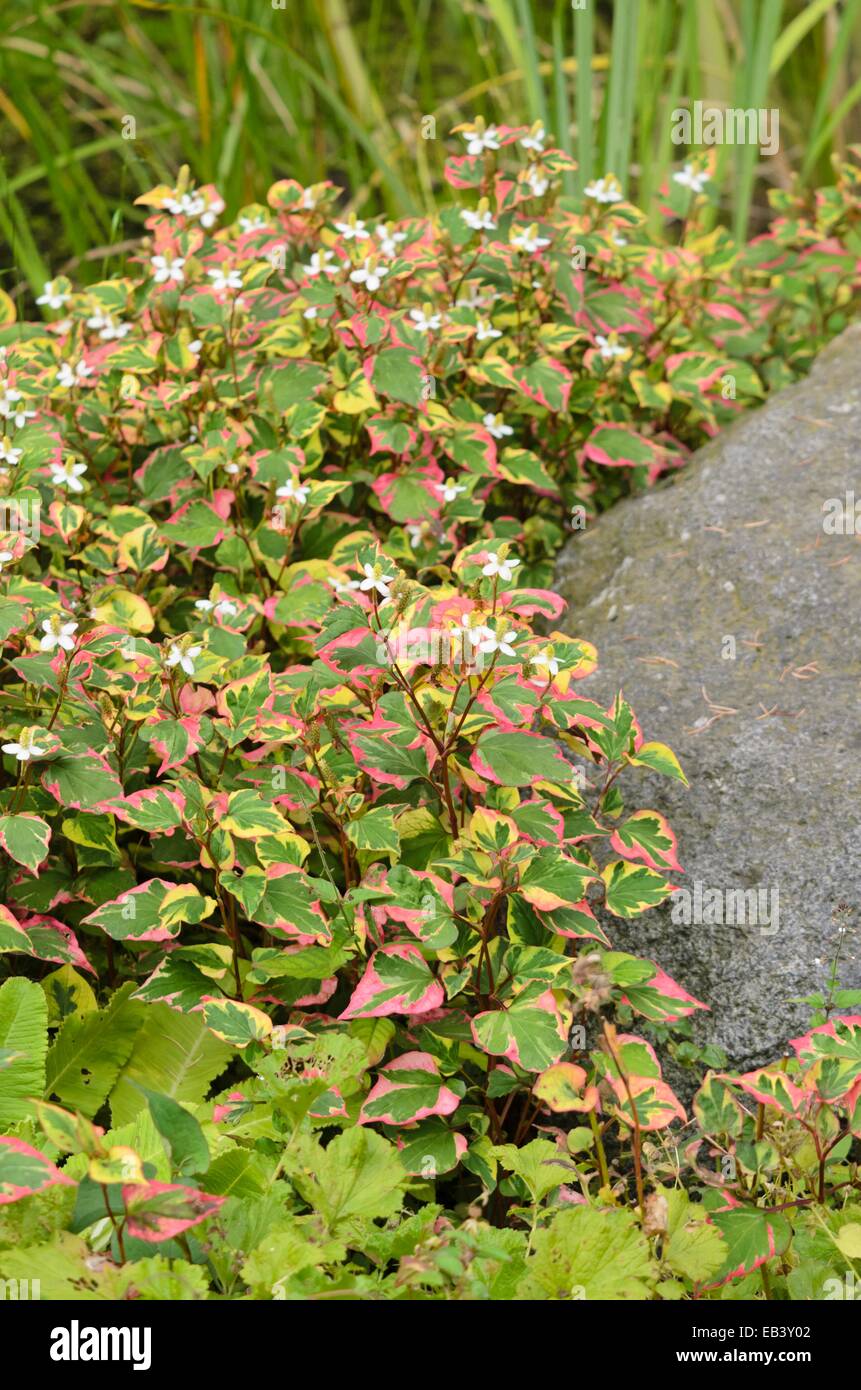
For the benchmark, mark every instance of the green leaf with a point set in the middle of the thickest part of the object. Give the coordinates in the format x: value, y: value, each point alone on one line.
x: 24, y: 1170
x: 153, y: 911
x: 189, y: 1151
x: 516, y: 759
x: 693, y: 1249
x: 89, y: 1052
x: 174, y: 1055
x: 358, y: 1174
x: 248, y: 816
x: 397, y: 375
x: 632, y: 888
x: 24, y: 1034
x: 659, y: 758
x: 530, y: 1031
x: 83, y: 782
x: 375, y: 830
x: 539, y: 1165
x: 752, y: 1237
x: 599, y: 1256
x: 25, y: 838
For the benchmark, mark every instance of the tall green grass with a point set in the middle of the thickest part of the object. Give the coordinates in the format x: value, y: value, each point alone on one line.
x: 247, y: 93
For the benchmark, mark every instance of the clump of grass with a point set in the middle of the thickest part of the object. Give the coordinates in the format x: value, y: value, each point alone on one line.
x: 99, y: 100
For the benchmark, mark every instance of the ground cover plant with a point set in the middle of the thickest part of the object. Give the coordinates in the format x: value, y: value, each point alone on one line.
x: 312, y: 850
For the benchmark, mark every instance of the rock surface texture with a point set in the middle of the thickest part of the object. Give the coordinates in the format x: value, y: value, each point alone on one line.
x: 728, y: 609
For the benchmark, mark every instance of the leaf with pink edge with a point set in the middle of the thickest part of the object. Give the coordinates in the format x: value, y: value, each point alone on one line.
x: 25, y: 838
x: 397, y: 980
x: 82, y: 781
x: 648, y: 989
x: 154, y: 911
x: 24, y: 1170
x: 771, y: 1086
x: 563, y: 1089
x: 752, y: 1236
x: 530, y: 1031
x: 407, y: 1090
x: 512, y: 758
x: 162, y: 1210
x: 647, y: 835
x: 833, y: 1053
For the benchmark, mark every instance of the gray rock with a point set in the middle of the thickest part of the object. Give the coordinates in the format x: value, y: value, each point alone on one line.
x: 729, y: 616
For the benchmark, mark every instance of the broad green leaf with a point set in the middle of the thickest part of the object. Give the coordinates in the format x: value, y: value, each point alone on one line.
x: 585, y: 1253
x: 24, y: 1035
x: 174, y: 1055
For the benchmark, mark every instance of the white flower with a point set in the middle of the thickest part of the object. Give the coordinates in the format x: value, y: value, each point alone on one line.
x: 167, y: 268
x: 494, y: 642
x: 20, y: 418
x: 5, y: 557
x: 424, y: 322
x: 195, y: 347
x: 54, y: 298
x: 527, y: 239
x: 193, y: 205
x: 375, y: 580
x: 293, y: 492
x: 252, y: 224
x: 8, y: 398
x: 354, y: 227
x: 68, y: 375
x: 226, y: 608
x: 485, y: 329
x: 204, y: 604
x: 68, y: 474
x: 188, y: 205
x: 502, y: 569
x: 450, y: 490
x: 619, y: 240
x: 310, y: 312
x: 535, y: 139
x: 689, y: 177
x: 183, y: 659
x: 225, y: 279
x: 605, y: 190
x: 415, y: 534
x: 480, y: 138
x: 309, y: 199
x: 341, y: 587
x: 494, y: 425
x: 470, y: 632
x: 388, y: 239
x: 57, y: 634
x: 108, y: 327
x: 209, y: 217
x: 23, y: 750
x: 608, y: 349
x: 548, y: 662
x: 8, y: 454
x: 480, y: 221
x: 539, y: 183
x: 370, y: 274
x: 318, y: 264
